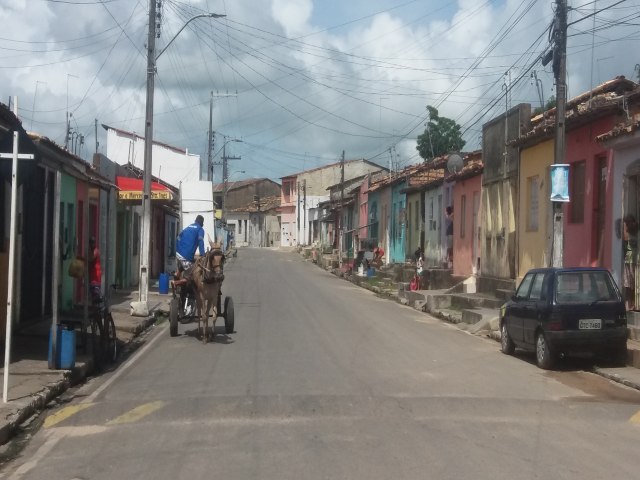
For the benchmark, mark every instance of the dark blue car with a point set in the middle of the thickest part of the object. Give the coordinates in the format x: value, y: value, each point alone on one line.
x: 560, y: 311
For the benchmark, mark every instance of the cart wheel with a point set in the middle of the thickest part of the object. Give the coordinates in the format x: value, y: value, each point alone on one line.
x: 229, y: 318
x: 173, y: 317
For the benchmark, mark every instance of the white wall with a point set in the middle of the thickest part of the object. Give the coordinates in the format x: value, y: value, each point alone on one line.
x: 169, y: 165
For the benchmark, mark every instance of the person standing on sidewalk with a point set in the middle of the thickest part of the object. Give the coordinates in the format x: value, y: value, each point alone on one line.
x: 95, y: 270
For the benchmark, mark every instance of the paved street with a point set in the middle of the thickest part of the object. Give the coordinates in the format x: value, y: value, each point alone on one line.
x: 324, y: 380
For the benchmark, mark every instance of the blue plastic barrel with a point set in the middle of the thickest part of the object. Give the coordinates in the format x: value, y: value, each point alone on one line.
x: 65, y: 348
x: 163, y: 284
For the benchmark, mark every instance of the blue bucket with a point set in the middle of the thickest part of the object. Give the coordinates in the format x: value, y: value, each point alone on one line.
x: 66, y: 348
x: 371, y: 272
x: 163, y: 283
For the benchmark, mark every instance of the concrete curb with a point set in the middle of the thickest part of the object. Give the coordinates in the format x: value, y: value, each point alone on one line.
x: 139, y: 328
x: 38, y: 401
x: 616, y: 378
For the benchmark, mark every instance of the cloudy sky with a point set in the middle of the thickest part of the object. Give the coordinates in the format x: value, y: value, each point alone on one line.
x: 299, y: 81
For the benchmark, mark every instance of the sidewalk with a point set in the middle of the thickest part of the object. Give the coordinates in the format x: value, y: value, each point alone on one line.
x: 32, y: 385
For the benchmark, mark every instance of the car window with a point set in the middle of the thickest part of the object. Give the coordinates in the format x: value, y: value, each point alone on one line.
x: 536, y: 289
x: 525, y: 286
x: 584, y: 287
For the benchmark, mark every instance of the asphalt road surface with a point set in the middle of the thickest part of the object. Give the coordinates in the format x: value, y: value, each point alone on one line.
x: 323, y: 380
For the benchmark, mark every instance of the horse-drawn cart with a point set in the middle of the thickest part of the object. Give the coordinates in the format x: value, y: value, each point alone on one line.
x: 204, y: 285
x: 183, y: 308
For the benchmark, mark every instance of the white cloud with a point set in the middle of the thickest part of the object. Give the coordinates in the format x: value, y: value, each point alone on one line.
x: 312, y: 78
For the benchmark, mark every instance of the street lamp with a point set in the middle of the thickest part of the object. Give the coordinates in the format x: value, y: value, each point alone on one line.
x: 141, y: 307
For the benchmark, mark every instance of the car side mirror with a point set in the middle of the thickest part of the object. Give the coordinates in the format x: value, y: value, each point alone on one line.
x: 514, y: 297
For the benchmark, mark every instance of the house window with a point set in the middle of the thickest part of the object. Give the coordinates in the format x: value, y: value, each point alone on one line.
x: 577, y: 182
x: 532, y: 194
x: 463, y: 214
x: 239, y: 227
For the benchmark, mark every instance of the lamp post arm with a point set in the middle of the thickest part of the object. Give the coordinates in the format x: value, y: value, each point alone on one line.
x: 210, y: 15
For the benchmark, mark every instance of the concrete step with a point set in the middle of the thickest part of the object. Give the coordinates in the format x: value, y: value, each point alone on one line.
x: 482, y: 318
x: 633, y: 319
x: 633, y: 353
x: 451, y: 316
x: 491, y: 284
x: 437, y: 300
x: 504, y: 294
x: 634, y: 332
x: 475, y: 300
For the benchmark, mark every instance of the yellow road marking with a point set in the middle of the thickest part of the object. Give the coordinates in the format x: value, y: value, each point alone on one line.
x: 137, y: 413
x: 65, y: 413
x: 635, y: 419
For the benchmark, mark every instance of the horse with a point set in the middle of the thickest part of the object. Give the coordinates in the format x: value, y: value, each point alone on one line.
x: 207, y: 279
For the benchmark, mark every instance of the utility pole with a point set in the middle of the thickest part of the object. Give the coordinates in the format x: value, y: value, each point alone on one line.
x: 341, y: 204
x: 210, y: 143
x: 96, y: 131
x: 560, y: 72
x: 304, y: 207
x: 142, y: 307
x: 225, y: 176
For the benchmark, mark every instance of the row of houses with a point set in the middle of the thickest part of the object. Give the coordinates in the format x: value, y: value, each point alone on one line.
x: 103, y: 199
x: 500, y: 194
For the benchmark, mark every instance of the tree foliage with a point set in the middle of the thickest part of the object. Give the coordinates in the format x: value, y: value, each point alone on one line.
x: 441, y: 136
x: 551, y: 103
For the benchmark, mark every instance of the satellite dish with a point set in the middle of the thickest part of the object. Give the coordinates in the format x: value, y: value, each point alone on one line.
x: 454, y: 163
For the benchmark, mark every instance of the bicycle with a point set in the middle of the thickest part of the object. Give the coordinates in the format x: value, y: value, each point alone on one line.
x: 104, y: 340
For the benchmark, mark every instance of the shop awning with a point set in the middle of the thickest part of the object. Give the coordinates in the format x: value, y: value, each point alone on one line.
x: 132, y: 189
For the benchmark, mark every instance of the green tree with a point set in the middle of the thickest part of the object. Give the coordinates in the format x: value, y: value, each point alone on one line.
x: 551, y: 103
x: 441, y: 136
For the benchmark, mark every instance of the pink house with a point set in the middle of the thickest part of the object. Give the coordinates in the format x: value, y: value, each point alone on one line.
x: 288, y: 199
x: 588, y: 217
x: 466, y: 213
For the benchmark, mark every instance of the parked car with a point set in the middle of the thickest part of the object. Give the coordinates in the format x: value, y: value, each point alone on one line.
x: 560, y: 311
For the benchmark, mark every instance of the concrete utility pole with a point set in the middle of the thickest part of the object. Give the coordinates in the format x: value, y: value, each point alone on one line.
x: 341, y: 204
x: 141, y: 307
x: 210, y: 143
x: 560, y: 72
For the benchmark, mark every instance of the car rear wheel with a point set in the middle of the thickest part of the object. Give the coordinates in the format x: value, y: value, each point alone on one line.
x: 506, y: 344
x: 544, y: 356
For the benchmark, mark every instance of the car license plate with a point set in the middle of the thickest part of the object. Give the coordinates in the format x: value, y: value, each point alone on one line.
x: 590, y: 324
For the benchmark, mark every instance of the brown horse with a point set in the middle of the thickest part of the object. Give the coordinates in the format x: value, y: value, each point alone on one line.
x: 207, y: 279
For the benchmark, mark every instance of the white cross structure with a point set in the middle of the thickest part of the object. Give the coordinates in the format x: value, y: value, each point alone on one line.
x: 15, y: 156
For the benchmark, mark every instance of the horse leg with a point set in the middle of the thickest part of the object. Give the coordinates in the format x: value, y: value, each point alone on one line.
x: 213, y: 328
x: 202, y: 326
x: 213, y: 299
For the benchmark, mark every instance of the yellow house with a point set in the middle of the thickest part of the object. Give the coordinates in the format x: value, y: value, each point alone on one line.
x: 534, y: 227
